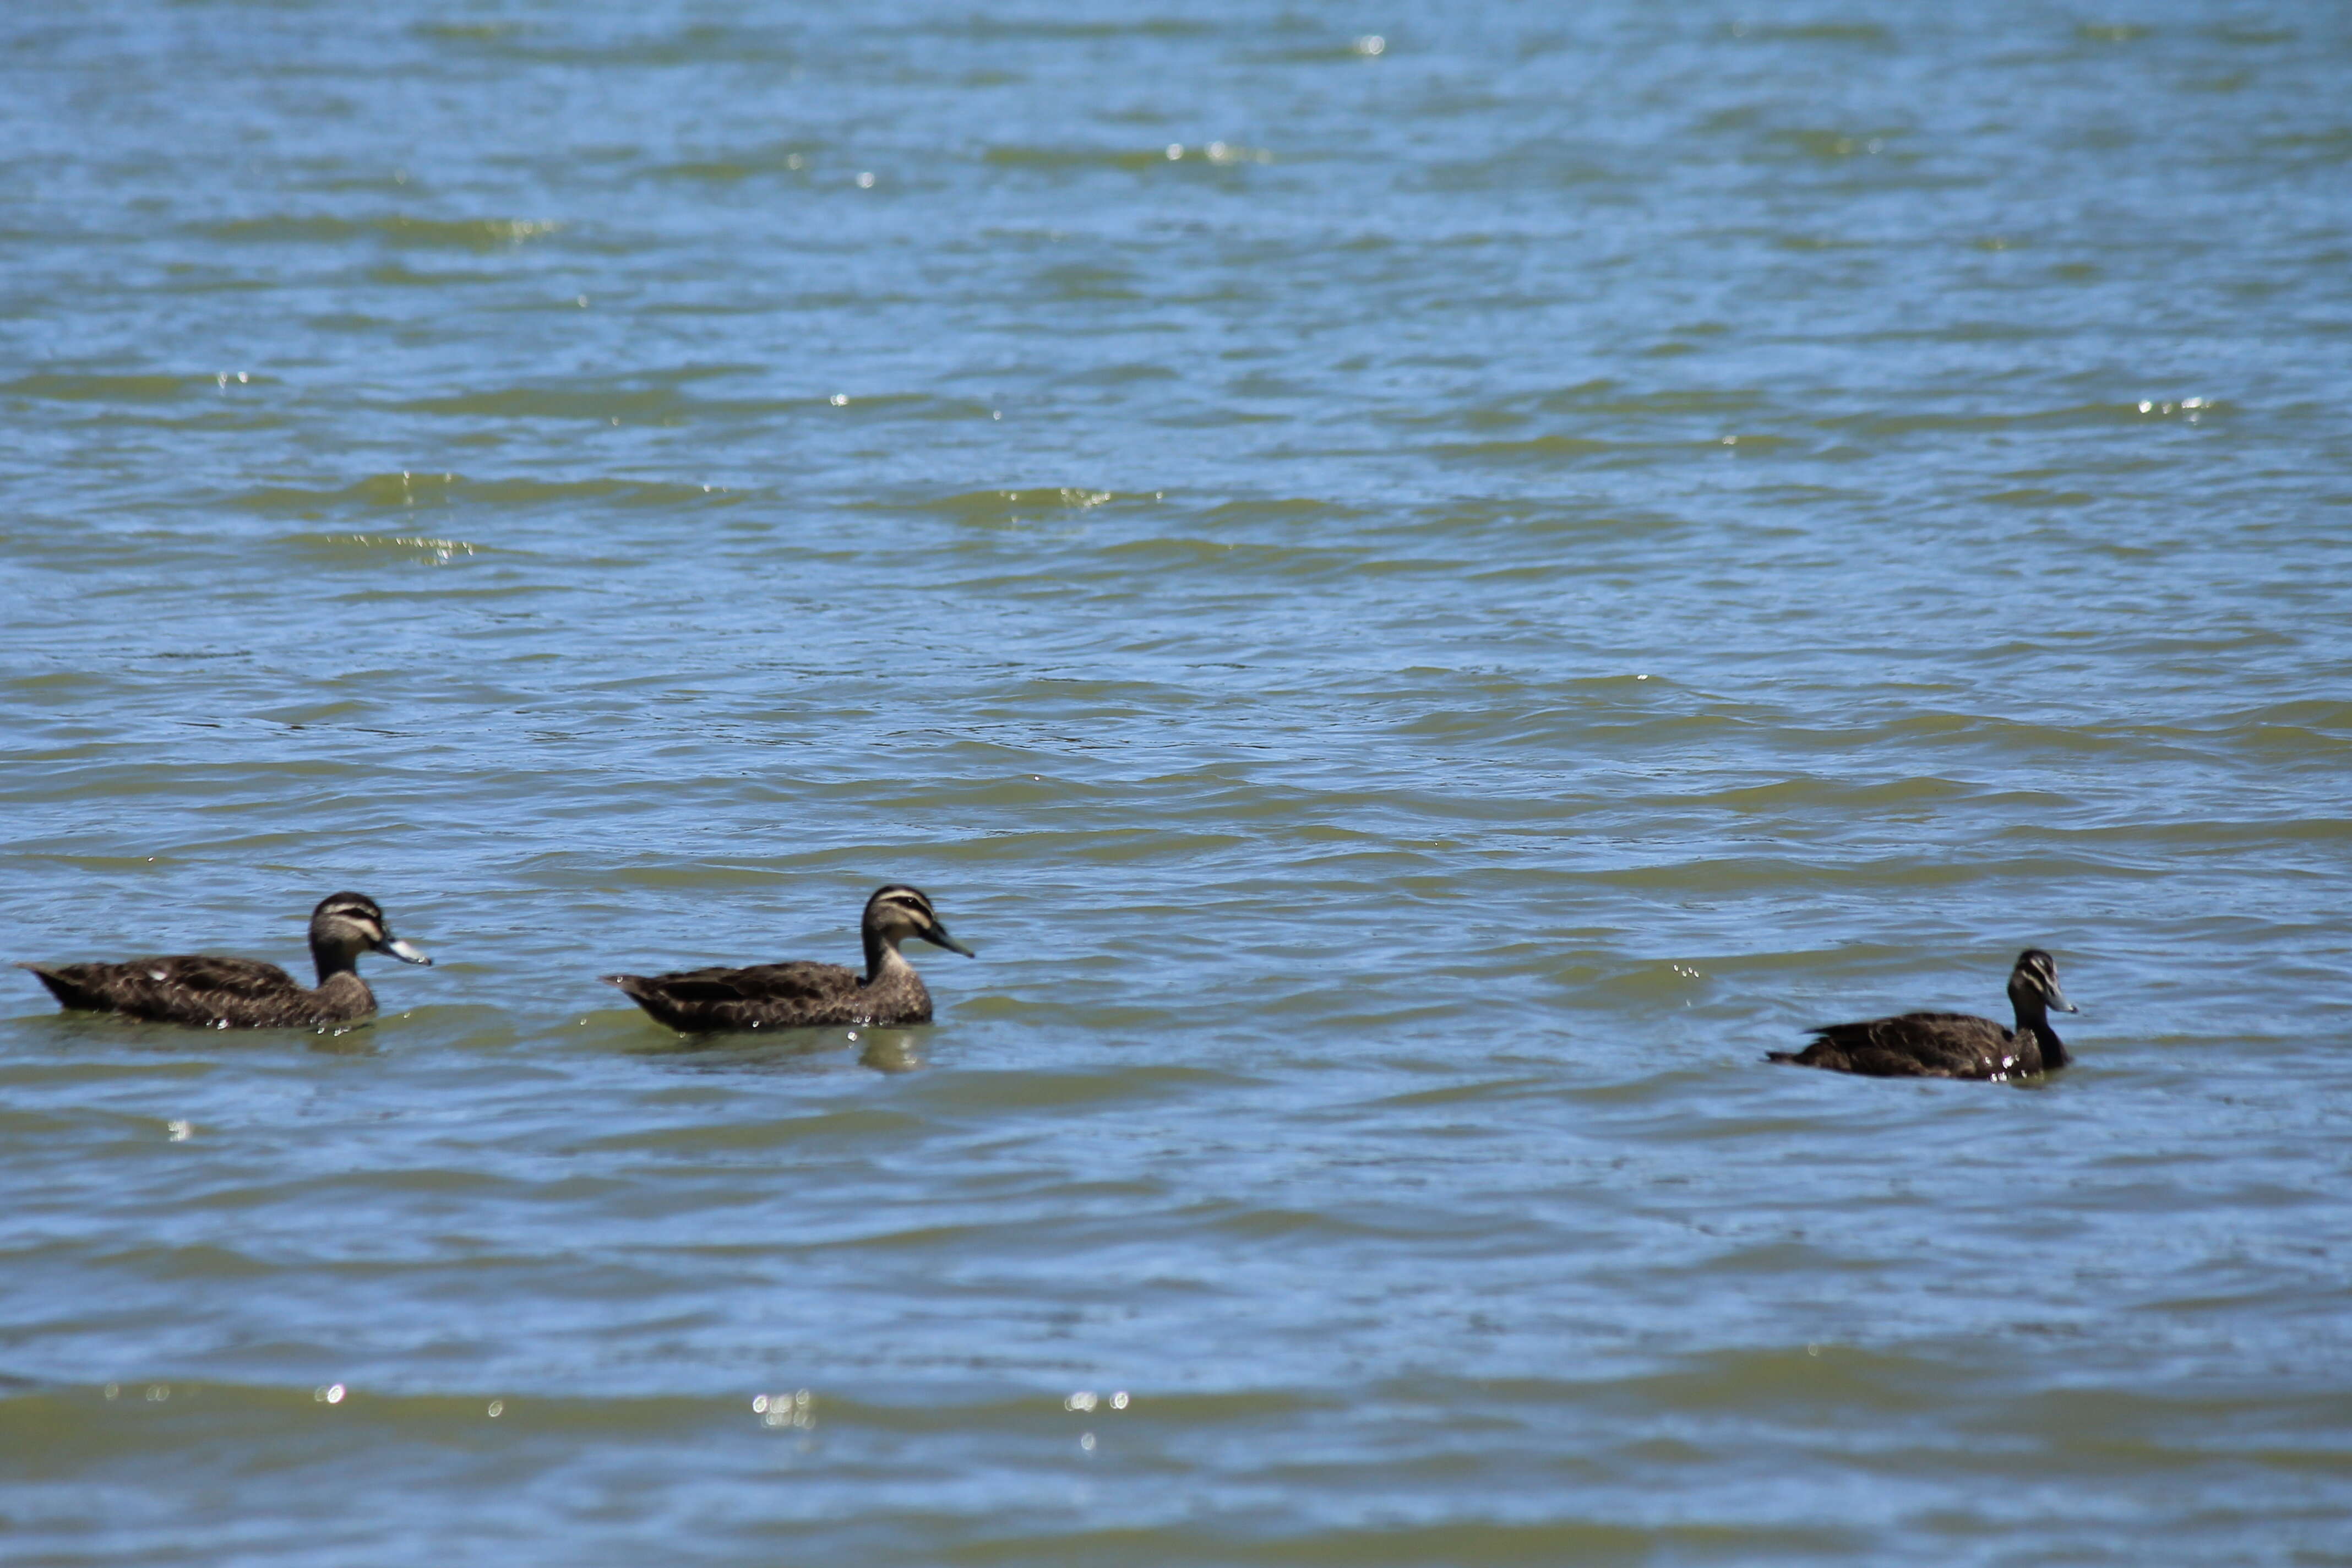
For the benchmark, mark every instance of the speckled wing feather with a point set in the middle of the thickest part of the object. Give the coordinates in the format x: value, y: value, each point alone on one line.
x: 789, y: 982
x: 770, y: 995
x: 195, y: 988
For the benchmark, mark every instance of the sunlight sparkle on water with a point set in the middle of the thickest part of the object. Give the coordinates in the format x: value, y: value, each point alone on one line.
x: 795, y: 1409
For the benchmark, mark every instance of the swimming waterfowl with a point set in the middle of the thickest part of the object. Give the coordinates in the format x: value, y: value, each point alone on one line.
x: 1952, y: 1044
x: 213, y: 992
x: 800, y: 995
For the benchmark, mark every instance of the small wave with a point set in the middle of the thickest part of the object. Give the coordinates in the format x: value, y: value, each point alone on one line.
x: 2191, y: 408
x: 1546, y: 449
x: 415, y: 546
x: 1079, y: 280
x: 702, y: 43
x: 1831, y: 146
x: 71, y: 387
x: 2036, y: 497
x: 1034, y: 1090
x: 985, y: 26
x: 788, y: 158
x: 467, y: 32
x: 1869, y: 33
x: 1799, y: 793
x: 1131, y: 160
x: 1008, y: 505
x: 1023, y: 157
x: 757, y: 1136
x: 408, y: 491
x: 456, y: 234
x: 1276, y: 510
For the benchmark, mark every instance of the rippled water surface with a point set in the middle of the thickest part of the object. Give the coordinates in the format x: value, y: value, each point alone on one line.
x: 1424, y: 585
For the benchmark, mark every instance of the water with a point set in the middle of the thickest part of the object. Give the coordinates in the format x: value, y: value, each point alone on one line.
x: 1423, y: 585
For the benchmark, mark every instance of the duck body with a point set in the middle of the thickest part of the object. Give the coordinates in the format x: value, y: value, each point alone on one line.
x: 1927, y: 1045
x: 1951, y: 1045
x: 779, y: 996
x: 209, y: 992
x: 801, y: 994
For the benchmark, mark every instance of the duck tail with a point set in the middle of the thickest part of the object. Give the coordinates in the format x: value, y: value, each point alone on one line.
x: 69, y: 991
x: 637, y: 988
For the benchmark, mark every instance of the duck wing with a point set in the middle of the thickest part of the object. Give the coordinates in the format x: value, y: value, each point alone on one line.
x: 191, y: 988
x: 785, y: 982
x: 774, y: 995
x: 1917, y: 1044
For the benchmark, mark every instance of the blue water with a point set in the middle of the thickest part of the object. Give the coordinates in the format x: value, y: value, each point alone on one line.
x: 1424, y: 586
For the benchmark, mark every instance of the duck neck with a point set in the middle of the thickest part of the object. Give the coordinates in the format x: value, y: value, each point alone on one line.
x: 331, y: 960
x: 2034, y: 1019
x: 882, y: 955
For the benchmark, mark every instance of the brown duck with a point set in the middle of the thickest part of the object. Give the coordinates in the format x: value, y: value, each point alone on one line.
x: 801, y: 994
x: 214, y: 993
x: 1952, y: 1044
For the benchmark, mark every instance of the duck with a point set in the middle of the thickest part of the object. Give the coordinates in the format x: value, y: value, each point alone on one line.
x: 1952, y: 1044
x: 801, y: 994
x: 207, y: 992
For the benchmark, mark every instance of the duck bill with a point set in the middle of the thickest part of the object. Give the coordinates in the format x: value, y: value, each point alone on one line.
x: 2058, y: 999
x: 406, y: 952
x: 938, y: 936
